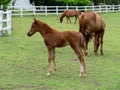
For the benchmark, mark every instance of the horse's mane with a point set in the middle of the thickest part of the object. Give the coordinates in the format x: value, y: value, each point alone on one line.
x: 63, y: 14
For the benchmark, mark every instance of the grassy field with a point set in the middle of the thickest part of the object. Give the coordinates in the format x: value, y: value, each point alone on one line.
x: 23, y: 60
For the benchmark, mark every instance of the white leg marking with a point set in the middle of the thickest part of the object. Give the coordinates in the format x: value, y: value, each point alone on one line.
x: 81, y: 70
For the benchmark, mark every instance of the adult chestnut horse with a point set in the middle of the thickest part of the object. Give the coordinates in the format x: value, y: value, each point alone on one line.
x: 92, y: 24
x: 54, y: 38
x: 68, y: 14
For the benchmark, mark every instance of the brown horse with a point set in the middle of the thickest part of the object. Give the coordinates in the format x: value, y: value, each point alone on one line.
x: 54, y: 38
x: 68, y: 14
x: 92, y: 24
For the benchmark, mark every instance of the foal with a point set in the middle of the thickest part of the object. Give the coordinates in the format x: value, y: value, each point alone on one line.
x: 54, y: 38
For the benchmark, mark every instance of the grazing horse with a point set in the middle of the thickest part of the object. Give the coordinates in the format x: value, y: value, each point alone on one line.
x: 54, y: 38
x: 68, y: 14
x: 92, y: 24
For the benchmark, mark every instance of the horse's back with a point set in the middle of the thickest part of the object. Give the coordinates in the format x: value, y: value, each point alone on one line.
x: 100, y: 22
x: 72, y: 12
x: 90, y: 20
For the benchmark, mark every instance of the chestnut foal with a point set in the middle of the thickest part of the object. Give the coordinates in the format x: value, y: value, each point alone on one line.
x: 54, y: 38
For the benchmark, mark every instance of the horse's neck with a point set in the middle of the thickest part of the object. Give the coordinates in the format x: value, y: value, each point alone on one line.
x: 45, y: 29
x: 63, y: 15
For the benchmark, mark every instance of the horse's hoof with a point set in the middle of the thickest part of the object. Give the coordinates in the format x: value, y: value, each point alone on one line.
x: 86, y: 53
x: 96, y: 54
x: 102, y: 54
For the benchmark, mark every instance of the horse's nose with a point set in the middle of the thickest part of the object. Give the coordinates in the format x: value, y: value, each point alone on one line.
x: 28, y: 34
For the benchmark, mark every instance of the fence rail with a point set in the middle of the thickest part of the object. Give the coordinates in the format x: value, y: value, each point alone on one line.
x: 46, y: 10
x: 5, y: 22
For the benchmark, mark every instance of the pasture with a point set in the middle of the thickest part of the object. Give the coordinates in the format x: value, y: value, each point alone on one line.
x: 23, y: 60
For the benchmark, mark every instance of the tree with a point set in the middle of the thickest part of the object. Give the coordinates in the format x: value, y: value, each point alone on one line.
x: 4, y: 3
x: 108, y: 2
x: 60, y: 2
x: 74, y: 2
x: 43, y: 2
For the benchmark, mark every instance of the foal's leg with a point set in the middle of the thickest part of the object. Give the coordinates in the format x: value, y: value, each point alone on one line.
x: 81, y: 59
x: 51, y: 56
x: 54, y: 62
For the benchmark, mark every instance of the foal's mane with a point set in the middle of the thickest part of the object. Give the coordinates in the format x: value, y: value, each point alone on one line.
x: 45, y: 26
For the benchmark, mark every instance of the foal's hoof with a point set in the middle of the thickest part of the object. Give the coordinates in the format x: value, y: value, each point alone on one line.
x: 82, y: 75
x: 48, y: 74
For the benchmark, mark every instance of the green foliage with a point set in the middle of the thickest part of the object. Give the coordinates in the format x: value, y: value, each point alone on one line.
x: 4, y: 3
x: 109, y: 2
x: 43, y: 2
x: 61, y: 2
x: 74, y: 2
x: 116, y: 2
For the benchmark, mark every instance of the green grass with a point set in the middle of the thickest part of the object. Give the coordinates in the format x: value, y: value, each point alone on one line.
x: 23, y: 60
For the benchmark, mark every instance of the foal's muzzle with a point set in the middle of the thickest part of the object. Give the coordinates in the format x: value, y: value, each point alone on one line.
x: 28, y: 34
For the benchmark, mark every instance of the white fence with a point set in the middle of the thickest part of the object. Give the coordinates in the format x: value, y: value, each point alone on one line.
x: 46, y: 10
x: 5, y: 22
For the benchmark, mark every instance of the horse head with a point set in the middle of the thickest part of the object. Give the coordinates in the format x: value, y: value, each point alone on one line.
x: 61, y: 19
x: 34, y: 28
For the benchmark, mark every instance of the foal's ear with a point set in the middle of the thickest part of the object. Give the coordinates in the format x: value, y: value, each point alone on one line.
x: 35, y: 20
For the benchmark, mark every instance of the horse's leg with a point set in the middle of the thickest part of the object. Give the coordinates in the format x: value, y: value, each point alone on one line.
x: 50, y: 58
x: 75, y: 19
x: 67, y: 19
x: 86, y: 47
x: 81, y: 59
x: 95, y: 43
x: 101, y: 41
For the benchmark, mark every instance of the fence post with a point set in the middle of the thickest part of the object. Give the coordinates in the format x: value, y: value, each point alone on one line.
x: 57, y: 10
x: 34, y: 11
x: 93, y: 7
x: 8, y: 21
x: 113, y: 8
x: 100, y: 8
x: 21, y: 9
x: 1, y: 17
x: 46, y: 10
x: 76, y: 7
x: 119, y: 7
x: 67, y: 7
x: 106, y: 8
x: 85, y: 8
